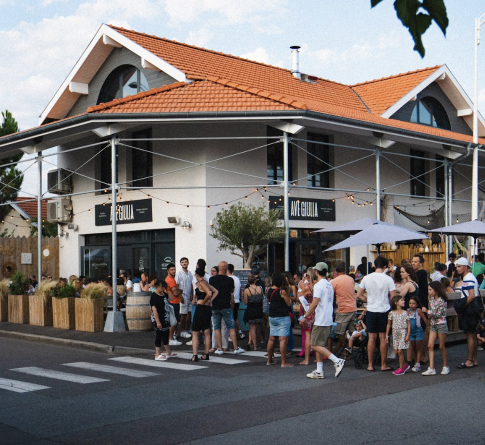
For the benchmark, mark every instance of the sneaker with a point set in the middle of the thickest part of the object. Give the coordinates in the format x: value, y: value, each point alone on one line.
x: 430, y: 371
x: 349, y: 350
x: 229, y: 339
x: 405, y: 368
x: 338, y: 367
x: 315, y: 375
x: 241, y: 335
x: 416, y: 368
x: 161, y: 358
x: 239, y: 351
x: 189, y: 343
x: 219, y: 352
x: 398, y: 371
x: 185, y: 334
x: 175, y: 336
x: 174, y: 342
x: 480, y: 348
x: 445, y: 370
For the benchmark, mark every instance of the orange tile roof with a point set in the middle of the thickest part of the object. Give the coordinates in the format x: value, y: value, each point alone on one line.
x: 202, y: 63
x: 30, y: 207
x: 380, y: 94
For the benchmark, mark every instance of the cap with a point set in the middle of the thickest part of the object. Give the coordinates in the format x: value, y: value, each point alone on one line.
x: 358, y: 276
x: 461, y: 262
x: 255, y: 270
x: 321, y: 266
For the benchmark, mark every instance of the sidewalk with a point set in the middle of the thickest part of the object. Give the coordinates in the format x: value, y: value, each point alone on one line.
x: 127, y: 342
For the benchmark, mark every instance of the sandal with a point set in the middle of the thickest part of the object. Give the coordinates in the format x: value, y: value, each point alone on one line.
x: 204, y: 357
x: 464, y: 366
x: 194, y: 358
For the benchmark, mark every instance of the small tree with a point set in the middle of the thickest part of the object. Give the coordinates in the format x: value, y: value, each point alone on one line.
x: 247, y: 230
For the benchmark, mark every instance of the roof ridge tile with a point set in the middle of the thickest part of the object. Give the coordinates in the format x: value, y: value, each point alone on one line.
x: 394, y: 76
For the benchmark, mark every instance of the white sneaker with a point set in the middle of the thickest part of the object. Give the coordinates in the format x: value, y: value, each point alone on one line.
x: 219, y: 352
x: 189, y: 343
x: 430, y: 371
x: 241, y: 335
x: 174, y: 342
x: 338, y: 367
x: 315, y: 375
x: 416, y: 367
x: 239, y: 351
x: 229, y: 339
x: 445, y: 370
x: 185, y: 334
x: 161, y: 358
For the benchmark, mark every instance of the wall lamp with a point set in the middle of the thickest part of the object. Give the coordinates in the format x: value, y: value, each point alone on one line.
x: 186, y: 225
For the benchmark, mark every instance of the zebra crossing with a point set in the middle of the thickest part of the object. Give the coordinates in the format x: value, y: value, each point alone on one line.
x: 180, y: 364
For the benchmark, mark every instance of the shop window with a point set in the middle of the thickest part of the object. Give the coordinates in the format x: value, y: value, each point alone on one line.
x: 428, y: 111
x: 125, y: 80
x: 275, y: 172
x: 142, y: 159
x: 418, y: 173
x: 318, y: 161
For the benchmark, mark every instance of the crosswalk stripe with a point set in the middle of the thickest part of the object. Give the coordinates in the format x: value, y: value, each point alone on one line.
x: 21, y: 387
x: 158, y: 364
x: 255, y: 353
x: 214, y: 359
x: 58, y: 375
x: 111, y: 369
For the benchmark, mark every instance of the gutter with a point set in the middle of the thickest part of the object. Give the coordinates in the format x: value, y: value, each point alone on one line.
x: 66, y: 124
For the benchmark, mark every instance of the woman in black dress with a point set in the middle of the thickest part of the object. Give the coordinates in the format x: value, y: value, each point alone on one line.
x: 253, y: 299
x: 204, y: 293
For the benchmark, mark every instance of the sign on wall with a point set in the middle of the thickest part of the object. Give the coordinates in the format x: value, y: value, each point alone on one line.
x: 306, y: 209
x: 129, y: 212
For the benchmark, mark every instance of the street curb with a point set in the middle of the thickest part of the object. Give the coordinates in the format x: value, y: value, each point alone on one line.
x: 125, y: 350
x: 59, y: 341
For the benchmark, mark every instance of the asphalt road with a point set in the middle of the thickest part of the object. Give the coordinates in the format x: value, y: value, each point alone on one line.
x: 102, y: 398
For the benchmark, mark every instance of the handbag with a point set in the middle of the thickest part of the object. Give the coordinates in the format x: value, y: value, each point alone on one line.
x: 173, y: 318
x: 460, y: 305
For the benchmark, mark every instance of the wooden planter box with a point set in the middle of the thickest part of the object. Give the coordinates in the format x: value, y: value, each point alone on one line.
x: 4, y: 309
x: 40, y: 311
x: 63, y: 313
x: 18, y: 309
x: 89, y: 315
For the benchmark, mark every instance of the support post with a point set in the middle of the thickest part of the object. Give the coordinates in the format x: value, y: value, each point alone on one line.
x: 378, y: 184
x: 450, y: 205
x: 447, y: 216
x: 39, y: 218
x: 114, y: 320
x: 286, y: 200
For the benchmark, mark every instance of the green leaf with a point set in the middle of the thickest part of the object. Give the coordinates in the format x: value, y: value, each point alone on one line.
x: 374, y: 3
x: 417, y: 23
x: 437, y: 11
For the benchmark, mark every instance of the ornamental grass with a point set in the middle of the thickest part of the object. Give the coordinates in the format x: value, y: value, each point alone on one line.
x: 94, y: 291
x: 4, y: 289
x: 44, y: 288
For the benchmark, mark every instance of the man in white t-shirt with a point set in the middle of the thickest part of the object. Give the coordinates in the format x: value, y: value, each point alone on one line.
x: 380, y: 289
x: 184, y: 281
x: 322, y: 305
x: 237, y: 298
x: 468, y: 321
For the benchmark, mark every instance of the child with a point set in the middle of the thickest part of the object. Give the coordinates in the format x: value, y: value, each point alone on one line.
x: 416, y: 318
x: 357, y: 336
x: 401, y: 328
x: 161, y: 319
x: 437, y: 325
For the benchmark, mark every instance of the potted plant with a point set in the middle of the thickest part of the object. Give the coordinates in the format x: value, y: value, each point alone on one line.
x: 89, y: 308
x: 40, y: 304
x: 4, y: 299
x: 63, y: 307
x: 18, y: 299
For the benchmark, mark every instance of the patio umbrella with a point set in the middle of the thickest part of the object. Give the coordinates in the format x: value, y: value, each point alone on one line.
x: 378, y: 233
x: 352, y: 227
x: 475, y: 229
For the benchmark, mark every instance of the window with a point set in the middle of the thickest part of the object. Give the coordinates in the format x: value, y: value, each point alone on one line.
x: 440, y: 176
x: 274, y: 157
x: 318, y: 161
x: 142, y: 160
x: 428, y: 111
x: 418, y: 173
x: 124, y: 81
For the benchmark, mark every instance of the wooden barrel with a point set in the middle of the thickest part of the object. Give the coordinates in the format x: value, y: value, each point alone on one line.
x: 138, y: 312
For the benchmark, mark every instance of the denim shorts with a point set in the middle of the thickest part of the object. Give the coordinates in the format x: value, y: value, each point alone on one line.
x: 219, y: 314
x: 416, y: 334
x: 279, y: 326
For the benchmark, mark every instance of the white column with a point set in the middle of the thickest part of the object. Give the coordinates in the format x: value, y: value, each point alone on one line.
x: 378, y: 184
x: 39, y: 219
x: 286, y: 200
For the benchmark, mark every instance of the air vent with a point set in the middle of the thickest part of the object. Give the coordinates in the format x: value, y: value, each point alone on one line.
x: 59, y: 210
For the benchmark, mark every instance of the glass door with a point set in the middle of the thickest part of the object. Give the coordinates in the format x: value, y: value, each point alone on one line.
x: 96, y: 261
x: 141, y: 260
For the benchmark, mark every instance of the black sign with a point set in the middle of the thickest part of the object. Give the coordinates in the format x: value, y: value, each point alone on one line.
x: 129, y: 212
x: 305, y: 209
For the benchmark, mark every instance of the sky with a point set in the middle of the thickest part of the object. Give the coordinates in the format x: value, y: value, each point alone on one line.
x: 343, y: 41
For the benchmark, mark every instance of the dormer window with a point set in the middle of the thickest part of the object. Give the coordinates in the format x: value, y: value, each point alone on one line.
x: 125, y: 80
x: 428, y: 111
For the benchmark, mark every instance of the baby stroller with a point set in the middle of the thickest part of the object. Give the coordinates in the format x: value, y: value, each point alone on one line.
x: 359, y: 353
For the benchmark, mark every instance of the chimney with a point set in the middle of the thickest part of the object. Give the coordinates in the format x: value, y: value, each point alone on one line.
x: 295, y: 66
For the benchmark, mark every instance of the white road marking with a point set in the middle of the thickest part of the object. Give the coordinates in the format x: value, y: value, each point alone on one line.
x: 58, y: 375
x: 224, y: 359
x: 18, y: 386
x: 255, y: 353
x: 157, y: 364
x: 111, y: 369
